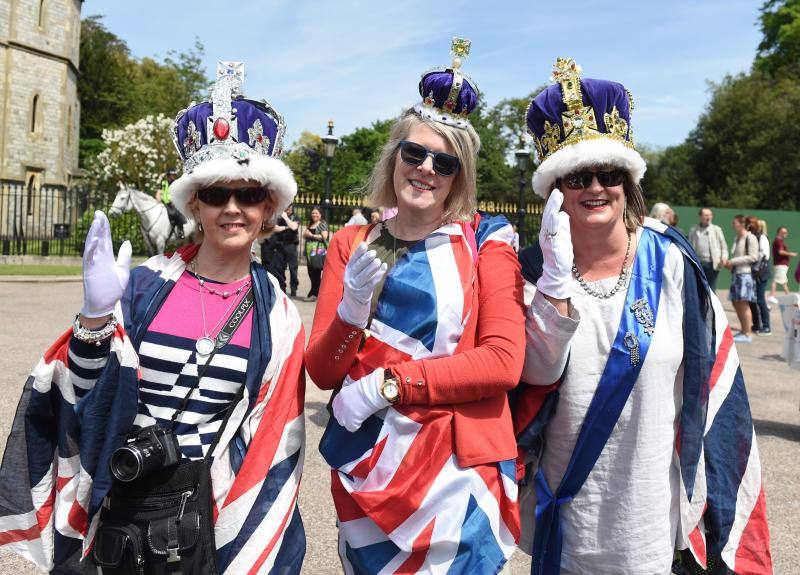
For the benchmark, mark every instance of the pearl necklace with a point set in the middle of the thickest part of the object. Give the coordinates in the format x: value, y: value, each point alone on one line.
x: 623, y: 276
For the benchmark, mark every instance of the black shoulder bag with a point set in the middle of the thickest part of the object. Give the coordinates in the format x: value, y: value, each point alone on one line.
x: 162, y: 521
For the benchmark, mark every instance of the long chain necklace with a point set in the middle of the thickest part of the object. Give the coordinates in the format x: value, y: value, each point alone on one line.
x: 623, y: 276
x: 205, y: 344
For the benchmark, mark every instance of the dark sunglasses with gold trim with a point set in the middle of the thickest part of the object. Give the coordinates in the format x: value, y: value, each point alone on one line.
x: 415, y: 154
x: 583, y: 179
x: 219, y: 196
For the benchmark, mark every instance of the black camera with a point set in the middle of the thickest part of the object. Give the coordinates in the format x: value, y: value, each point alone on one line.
x: 152, y: 448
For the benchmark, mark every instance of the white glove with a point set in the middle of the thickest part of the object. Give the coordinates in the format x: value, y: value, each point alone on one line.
x: 358, y: 400
x: 555, y: 240
x: 363, y: 272
x: 104, y: 279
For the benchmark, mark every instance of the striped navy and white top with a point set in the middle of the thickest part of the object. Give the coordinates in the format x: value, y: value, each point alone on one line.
x: 169, y: 364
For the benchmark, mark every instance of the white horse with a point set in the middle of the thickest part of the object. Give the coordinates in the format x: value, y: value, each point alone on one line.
x: 154, y: 221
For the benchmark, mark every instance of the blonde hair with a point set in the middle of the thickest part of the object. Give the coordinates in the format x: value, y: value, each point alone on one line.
x: 267, y: 226
x: 462, y: 201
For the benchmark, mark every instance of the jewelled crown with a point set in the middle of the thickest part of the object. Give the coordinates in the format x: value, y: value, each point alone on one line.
x: 448, y: 95
x: 574, y: 111
x: 230, y: 138
x: 228, y: 126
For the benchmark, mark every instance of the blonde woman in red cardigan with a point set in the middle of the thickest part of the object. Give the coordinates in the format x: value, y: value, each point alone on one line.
x: 419, y: 330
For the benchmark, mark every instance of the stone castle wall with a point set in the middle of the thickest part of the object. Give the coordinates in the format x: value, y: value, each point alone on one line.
x: 39, y: 44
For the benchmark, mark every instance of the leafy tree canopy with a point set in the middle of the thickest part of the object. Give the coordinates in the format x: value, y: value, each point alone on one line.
x: 779, y: 50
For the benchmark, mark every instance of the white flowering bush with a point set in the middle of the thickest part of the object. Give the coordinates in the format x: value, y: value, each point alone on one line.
x: 137, y: 155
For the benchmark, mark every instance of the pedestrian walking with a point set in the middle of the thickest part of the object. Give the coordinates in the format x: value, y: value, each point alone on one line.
x: 624, y: 338
x: 419, y: 330
x: 164, y: 431
x: 708, y: 242
x: 781, y: 257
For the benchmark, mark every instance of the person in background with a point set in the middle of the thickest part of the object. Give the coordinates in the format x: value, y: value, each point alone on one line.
x: 357, y: 219
x: 316, y: 236
x: 744, y: 253
x: 781, y: 257
x: 175, y: 217
x: 759, y: 309
x: 283, y: 250
x: 663, y: 213
x: 374, y: 217
x: 708, y: 242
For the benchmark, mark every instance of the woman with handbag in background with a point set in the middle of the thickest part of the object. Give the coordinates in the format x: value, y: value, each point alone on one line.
x: 316, y: 235
x: 761, y: 274
x: 744, y: 255
x: 419, y: 330
x: 174, y: 405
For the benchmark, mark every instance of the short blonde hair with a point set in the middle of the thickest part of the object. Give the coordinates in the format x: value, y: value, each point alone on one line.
x: 267, y: 226
x: 462, y: 202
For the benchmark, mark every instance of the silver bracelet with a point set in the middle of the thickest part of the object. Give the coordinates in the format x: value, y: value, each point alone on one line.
x: 95, y: 336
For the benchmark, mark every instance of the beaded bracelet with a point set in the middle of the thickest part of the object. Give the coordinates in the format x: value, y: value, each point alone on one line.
x: 95, y: 336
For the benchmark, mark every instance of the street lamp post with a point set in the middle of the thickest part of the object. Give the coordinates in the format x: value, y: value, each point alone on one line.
x: 523, y: 156
x: 329, y: 142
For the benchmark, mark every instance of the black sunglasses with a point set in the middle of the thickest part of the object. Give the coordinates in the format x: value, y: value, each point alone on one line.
x: 583, y: 179
x: 414, y: 154
x: 220, y: 196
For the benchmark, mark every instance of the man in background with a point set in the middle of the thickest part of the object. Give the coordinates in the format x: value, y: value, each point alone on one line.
x: 280, y: 250
x: 708, y: 241
x: 781, y: 256
x: 357, y: 219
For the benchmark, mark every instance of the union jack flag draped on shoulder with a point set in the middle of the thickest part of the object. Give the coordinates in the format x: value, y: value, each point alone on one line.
x: 55, y: 471
x: 404, y: 504
x: 722, y: 505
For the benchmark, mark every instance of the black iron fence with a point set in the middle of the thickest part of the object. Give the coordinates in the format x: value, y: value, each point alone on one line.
x: 53, y: 221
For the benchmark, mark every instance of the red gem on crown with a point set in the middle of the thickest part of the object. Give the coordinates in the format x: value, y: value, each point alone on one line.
x: 221, y: 128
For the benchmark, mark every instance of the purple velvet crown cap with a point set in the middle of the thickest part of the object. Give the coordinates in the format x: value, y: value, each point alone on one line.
x: 435, y: 87
x: 603, y: 96
x: 257, y: 124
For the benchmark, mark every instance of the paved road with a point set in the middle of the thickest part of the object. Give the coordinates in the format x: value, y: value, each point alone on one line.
x: 35, y: 313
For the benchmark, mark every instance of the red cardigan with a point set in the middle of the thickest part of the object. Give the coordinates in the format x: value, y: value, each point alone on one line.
x: 474, y: 381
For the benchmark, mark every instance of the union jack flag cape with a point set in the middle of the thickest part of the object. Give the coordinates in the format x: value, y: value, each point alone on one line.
x: 722, y: 505
x: 403, y: 502
x: 55, y: 471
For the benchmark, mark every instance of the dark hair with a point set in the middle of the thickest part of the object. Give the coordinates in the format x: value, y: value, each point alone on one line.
x: 782, y: 228
x: 741, y: 219
x: 321, y: 213
x: 753, y: 225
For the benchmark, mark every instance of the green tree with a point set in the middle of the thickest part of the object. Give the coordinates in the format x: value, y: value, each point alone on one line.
x: 670, y: 175
x: 779, y: 50
x: 304, y: 159
x: 356, y: 155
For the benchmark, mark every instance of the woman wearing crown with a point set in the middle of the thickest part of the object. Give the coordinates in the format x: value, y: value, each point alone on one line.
x: 649, y: 445
x: 175, y: 404
x: 419, y: 330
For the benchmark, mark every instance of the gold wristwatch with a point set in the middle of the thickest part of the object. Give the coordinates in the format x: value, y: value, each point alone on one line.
x: 390, y: 388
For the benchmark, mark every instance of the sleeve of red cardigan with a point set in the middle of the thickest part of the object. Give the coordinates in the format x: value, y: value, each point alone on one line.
x: 333, y: 344
x: 494, y: 365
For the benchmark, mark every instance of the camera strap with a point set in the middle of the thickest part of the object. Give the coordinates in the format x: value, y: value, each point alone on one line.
x: 223, y: 337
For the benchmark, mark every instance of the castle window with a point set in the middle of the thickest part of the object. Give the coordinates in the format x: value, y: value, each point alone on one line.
x: 31, y: 188
x: 35, y: 113
x: 41, y: 13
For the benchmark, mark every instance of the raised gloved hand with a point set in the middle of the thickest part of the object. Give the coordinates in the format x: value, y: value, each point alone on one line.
x: 357, y: 401
x: 104, y: 278
x: 555, y: 240
x: 363, y: 272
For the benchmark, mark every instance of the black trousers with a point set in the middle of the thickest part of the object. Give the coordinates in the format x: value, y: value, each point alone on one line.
x: 711, y: 275
x: 759, y: 308
x: 276, y: 258
x: 316, y: 277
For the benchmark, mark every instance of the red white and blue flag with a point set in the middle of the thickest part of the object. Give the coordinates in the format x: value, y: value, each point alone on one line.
x: 404, y: 504
x: 55, y: 471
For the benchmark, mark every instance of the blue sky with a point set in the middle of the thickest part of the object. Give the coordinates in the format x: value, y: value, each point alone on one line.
x: 359, y: 61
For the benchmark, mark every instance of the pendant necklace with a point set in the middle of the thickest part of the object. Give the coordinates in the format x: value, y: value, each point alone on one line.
x: 205, y: 345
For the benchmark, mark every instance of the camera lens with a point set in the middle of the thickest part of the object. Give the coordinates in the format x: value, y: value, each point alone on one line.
x: 126, y: 463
